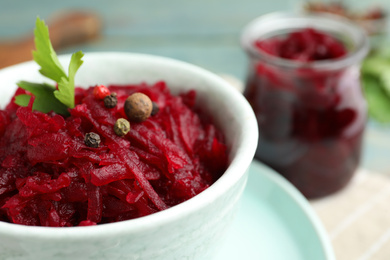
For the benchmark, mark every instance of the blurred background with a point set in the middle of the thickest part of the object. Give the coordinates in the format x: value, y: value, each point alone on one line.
x: 203, y: 32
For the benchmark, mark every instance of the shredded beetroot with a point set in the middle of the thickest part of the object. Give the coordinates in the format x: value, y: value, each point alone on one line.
x: 310, y: 128
x: 50, y: 177
x: 305, y: 45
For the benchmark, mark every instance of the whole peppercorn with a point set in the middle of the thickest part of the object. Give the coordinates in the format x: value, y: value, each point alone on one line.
x: 155, y: 109
x: 100, y: 91
x: 121, y: 127
x: 92, y: 140
x: 110, y: 101
x: 138, y: 107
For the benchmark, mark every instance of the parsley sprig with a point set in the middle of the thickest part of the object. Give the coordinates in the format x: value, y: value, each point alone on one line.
x: 48, y: 97
x: 375, y: 75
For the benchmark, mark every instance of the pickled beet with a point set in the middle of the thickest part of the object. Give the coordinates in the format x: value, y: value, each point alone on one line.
x: 49, y: 177
x: 304, y: 45
x: 311, y: 120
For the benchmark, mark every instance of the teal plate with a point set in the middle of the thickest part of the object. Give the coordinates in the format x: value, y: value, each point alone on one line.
x: 274, y: 222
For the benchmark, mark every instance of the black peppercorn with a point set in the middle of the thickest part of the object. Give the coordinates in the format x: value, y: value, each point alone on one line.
x: 92, y: 140
x: 155, y: 108
x: 110, y: 101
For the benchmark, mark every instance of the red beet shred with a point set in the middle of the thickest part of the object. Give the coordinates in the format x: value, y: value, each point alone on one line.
x: 49, y: 177
x: 304, y: 45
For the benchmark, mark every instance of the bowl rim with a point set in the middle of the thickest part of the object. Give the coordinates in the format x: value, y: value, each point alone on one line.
x: 236, y: 169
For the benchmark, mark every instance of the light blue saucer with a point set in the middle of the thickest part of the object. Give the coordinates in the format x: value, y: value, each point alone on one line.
x: 274, y: 222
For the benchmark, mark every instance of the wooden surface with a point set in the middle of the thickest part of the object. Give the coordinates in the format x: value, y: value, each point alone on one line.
x: 357, y: 219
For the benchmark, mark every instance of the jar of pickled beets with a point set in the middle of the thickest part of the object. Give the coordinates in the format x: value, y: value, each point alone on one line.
x: 303, y: 84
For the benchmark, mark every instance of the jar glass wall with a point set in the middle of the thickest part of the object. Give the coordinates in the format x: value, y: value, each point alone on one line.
x: 311, y: 115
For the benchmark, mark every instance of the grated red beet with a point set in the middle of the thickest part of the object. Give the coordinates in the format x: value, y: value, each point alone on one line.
x: 49, y: 177
x: 311, y: 129
x: 305, y: 45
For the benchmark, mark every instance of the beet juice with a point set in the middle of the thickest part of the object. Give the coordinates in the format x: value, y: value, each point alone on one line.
x: 303, y: 84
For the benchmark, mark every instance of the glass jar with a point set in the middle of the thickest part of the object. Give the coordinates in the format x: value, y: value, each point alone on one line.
x: 311, y: 115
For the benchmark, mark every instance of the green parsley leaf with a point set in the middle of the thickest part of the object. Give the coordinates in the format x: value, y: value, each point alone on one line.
x: 22, y: 100
x: 45, y: 55
x: 45, y: 100
x: 65, y: 92
x: 385, y: 80
x: 47, y: 97
x: 376, y: 65
x: 377, y: 99
x: 375, y: 76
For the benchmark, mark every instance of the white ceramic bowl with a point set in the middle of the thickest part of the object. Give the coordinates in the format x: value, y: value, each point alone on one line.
x: 190, y: 230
